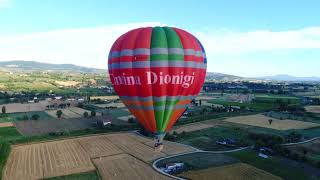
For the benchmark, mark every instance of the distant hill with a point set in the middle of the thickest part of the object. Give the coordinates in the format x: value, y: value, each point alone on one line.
x: 285, y: 77
x: 213, y: 76
x: 38, y: 66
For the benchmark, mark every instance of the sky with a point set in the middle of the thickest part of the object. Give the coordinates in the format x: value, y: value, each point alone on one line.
x: 247, y: 38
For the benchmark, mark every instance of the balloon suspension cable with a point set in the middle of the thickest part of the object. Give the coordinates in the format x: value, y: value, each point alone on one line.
x: 158, y: 137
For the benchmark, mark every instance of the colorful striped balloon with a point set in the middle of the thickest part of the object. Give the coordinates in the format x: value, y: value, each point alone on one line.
x: 157, y: 72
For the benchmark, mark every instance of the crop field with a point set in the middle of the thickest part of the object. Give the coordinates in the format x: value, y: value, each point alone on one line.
x: 67, y: 83
x: 6, y: 124
x: 124, y: 166
x: 18, y: 107
x: 45, y: 160
x: 73, y: 112
x: 99, y: 146
x: 237, y: 171
x: 310, y: 150
x: 193, y: 127
x: 32, y: 127
x: 263, y: 121
x: 313, y: 109
x: 130, y: 145
x: 105, y: 97
x: 114, y: 155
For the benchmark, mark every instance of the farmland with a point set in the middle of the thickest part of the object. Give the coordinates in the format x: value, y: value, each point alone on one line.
x: 195, y: 126
x: 19, y: 107
x: 124, y: 166
x: 238, y: 171
x: 313, y: 109
x: 64, y: 157
x: 6, y: 124
x: 278, y: 166
x: 263, y: 121
x: 72, y: 112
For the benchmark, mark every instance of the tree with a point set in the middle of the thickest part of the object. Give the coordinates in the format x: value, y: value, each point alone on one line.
x: 130, y: 120
x: 270, y: 121
x: 35, y: 117
x: 93, y: 113
x: 85, y: 114
x: 4, y: 109
x: 59, y: 113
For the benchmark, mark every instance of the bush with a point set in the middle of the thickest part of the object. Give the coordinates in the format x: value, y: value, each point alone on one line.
x: 35, y: 117
x: 93, y: 113
x: 85, y: 114
x: 25, y: 117
x: 59, y: 113
x: 131, y: 120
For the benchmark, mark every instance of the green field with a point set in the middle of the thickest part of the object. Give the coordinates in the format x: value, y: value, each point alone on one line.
x: 273, y: 165
x: 206, y: 138
x: 200, y: 160
x: 256, y: 106
x: 80, y: 176
x: 262, y: 102
x: 4, y: 153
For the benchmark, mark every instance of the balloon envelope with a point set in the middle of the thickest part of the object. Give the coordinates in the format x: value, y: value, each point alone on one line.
x: 157, y: 72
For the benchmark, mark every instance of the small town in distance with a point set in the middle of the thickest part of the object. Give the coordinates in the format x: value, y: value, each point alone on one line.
x: 252, y: 122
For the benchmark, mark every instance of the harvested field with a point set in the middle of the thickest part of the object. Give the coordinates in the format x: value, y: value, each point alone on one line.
x: 73, y: 112
x: 237, y: 171
x: 43, y: 160
x: 67, y: 83
x: 171, y: 148
x: 193, y: 127
x: 6, y: 124
x: 137, y: 149
x: 18, y: 107
x: 263, y: 121
x: 312, y: 109
x: 116, y: 155
x: 124, y: 166
x: 98, y: 146
x: 105, y: 97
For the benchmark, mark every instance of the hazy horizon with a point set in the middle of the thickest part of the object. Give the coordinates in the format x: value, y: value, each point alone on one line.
x: 249, y: 39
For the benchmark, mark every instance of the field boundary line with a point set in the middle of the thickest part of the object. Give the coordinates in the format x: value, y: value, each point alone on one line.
x: 303, y: 142
x: 67, y: 138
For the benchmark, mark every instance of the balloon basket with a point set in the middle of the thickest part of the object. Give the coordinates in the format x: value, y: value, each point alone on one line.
x: 158, y: 138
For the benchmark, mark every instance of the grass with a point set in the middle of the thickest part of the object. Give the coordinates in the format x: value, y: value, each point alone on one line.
x: 272, y: 165
x: 206, y: 138
x: 4, y: 153
x: 256, y: 106
x: 9, y: 134
x: 19, y: 116
x: 5, y: 119
x: 200, y: 160
x: 81, y: 176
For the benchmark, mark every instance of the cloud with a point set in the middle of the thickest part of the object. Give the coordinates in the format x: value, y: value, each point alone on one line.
x: 4, y: 3
x: 90, y: 46
x: 81, y: 46
x: 233, y: 43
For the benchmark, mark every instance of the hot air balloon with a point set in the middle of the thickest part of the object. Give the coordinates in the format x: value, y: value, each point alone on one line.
x: 157, y: 72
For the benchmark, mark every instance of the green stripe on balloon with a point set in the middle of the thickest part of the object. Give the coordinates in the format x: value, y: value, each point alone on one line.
x: 173, y: 42
x: 159, y: 40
